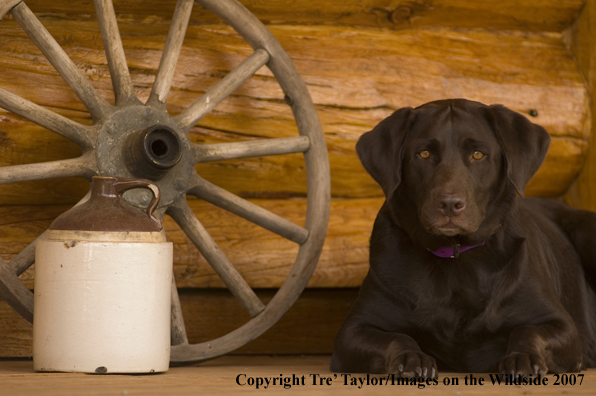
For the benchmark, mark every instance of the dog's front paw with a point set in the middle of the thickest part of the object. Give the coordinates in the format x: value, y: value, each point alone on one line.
x: 520, y: 363
x: 411, y: 364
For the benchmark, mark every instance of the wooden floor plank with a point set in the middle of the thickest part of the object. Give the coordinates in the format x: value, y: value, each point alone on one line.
x: 221, y: 377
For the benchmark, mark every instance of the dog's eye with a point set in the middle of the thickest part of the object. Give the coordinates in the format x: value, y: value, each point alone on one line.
x: 478, y: 155
x: 424, y: 154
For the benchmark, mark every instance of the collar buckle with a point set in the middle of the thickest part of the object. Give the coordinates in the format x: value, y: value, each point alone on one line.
x: 456, y: 250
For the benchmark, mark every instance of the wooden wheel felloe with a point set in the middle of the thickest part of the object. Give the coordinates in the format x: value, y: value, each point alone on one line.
x: 135, y: 139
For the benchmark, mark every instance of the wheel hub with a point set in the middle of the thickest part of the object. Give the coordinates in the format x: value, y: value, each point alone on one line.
x: 154, y: 151
x: 142, y: 142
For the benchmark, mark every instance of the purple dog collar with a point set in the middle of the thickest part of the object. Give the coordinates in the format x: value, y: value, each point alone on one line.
x: 452, y: 251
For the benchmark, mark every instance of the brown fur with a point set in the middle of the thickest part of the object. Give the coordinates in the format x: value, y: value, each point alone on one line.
x: 519, y: 304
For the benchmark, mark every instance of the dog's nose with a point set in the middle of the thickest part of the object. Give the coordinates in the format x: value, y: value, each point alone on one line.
x: 451, y: 204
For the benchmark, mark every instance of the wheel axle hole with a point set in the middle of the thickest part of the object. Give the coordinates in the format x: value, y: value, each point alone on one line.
x: 159, y: 148
x: 162, y: 148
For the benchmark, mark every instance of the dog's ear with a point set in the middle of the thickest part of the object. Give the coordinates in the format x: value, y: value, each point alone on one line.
x: 380, y: 150
x: 525, y: 144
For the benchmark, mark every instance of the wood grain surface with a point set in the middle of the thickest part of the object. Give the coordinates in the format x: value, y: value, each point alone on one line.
x: 218, y: 377
x: 212, y: 313
x: 262, y: 257
x: 356, y: 77
x: 533, y: 15
x: 580, y: 39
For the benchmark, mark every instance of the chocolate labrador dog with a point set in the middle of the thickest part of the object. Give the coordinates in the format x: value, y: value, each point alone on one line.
x: 464, y: 273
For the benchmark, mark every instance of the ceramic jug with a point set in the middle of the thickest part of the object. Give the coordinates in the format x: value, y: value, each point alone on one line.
x: 103, y: 278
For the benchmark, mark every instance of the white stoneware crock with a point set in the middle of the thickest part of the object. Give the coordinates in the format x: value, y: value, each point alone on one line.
x: 102, y: 287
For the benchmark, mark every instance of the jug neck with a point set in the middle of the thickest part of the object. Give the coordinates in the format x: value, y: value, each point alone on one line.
x: 106, y: 210
x: 103, y: 186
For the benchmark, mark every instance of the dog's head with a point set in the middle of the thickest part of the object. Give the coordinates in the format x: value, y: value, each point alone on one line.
x: 448, y: 167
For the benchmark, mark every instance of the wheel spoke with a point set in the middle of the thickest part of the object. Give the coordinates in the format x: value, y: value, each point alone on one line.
x: 41, y: 116
x: 14, y: 292
x: 169, y: 58
x: 6, y: 5
x: 26, y: 257
x: 189, y: 117
x: 178, y: 329
x: 255, y: 148
x: 193, y: 228
x: 94, y: 103
x: 81, y: 166
x: 112, y: 43
x: 211, y: 193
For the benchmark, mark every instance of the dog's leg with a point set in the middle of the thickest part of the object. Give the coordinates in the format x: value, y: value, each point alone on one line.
x: 364, y: 349
x: 553, y: 347
x: 580, y: 228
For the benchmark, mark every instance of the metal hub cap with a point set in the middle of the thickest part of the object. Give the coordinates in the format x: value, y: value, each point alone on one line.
x: 142, y: 142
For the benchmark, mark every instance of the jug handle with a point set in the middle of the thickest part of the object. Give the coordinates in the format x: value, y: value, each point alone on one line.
x: 122, y: 185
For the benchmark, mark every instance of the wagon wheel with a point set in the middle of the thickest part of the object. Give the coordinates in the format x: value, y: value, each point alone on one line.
x: 132, y: 139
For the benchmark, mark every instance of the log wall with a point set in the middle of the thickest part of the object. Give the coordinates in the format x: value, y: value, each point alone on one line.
x: 212, y: 313
x: 360, y: 60
x: 581, y: 40
x: 527, y: 15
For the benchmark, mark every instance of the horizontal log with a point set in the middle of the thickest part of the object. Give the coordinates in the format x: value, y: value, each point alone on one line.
x: 262, y: 257
x: 356, y: 77
x: 261, y: 178
x: 16, y: 334
x: 565, y: 159
x: 209, y: 314
x: 536, y: 15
